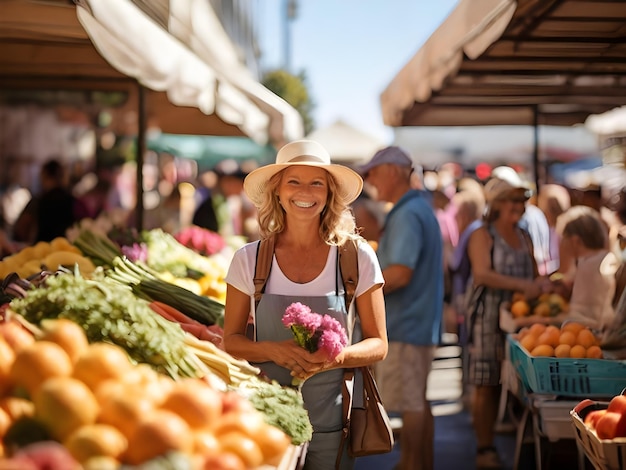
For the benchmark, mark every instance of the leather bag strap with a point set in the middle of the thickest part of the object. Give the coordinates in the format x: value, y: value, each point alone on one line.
x: 348, y: 394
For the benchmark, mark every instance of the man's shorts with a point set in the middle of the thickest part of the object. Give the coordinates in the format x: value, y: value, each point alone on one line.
x: 403, y: 375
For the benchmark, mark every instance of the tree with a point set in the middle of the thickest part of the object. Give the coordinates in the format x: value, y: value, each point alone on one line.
x: 293, y: 90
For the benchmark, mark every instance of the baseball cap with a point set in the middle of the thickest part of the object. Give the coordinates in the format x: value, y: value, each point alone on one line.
x: 392, y: 154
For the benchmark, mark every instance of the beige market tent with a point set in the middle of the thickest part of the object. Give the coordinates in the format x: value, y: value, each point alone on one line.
x: 345, y: 143
x: 152, y: 53
x: 56, y: 45
x: 524, y: 62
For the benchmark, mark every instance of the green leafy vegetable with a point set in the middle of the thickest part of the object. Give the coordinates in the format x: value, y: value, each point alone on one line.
x: 282, y: 407
x: 109, y: 311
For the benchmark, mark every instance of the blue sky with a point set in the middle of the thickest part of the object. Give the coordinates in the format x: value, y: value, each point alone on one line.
x: 350, y: 50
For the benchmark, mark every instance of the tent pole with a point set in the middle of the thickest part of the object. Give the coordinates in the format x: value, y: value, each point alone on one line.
x: 536, y: 146
x: 141, y: 151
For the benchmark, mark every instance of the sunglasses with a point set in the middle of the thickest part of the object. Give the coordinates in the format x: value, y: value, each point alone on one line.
x: 519, y: 199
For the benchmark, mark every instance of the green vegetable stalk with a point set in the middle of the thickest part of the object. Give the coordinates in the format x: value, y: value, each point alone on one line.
x: 109, y: 311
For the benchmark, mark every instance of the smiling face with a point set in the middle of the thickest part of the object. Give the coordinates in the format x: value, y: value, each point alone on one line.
x: 512, y: 205
x: 303, y: 191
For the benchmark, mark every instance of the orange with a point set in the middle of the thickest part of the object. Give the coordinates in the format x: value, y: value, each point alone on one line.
x: 529, y: 342
x: 15, y: 335
x: 194, y: 401
x: 550, y: 336
x: 5, y: 422
x: 572, y: 326
x: 542, y: 309
x: 537, y: 328
x: 205, y: 443
x: 157, y: 433
x: 243, y: 446
x: 586, y: 338
x: 543, y: 350
x: 67, y: 334
x: 594, y: 352
x: 95, y: 440
x: 520, y: 308
x: 63, y: 404
x: 523, y: 332
x: 567, y: 337
x: 558, y: 301
x: 37, y: 362
x: 562, y: 350
x: 273, y: 443
x: 578, y: 352
x: 16, y: 407
x: 517, y: 296
x: 100, y: 362
x: 7, y: 356
x: 124, y: 409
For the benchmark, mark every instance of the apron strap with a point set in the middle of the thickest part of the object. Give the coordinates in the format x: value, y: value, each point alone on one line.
x: 264, y: 256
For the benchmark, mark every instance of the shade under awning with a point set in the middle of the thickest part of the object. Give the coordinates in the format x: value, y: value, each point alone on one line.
x: 138, y: 47
x: 43, y: 46
x: 525, y: 62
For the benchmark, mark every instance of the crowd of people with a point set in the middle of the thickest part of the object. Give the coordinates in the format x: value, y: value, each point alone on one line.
x: 431, y: 260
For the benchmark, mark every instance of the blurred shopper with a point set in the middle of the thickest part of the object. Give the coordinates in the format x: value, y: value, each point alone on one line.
x: 470, y: 204
x: 52, y: 212
x: 7, y: 247
x: 585, y: 236
x: 502, y: 262
x: 227, y: 209
x: 410, y: 252
x: 533, y: 220
x: 553, y: 200
x: 369, y: 217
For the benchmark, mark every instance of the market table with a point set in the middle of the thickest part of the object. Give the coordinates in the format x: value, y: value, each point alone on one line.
x: 550, y: 387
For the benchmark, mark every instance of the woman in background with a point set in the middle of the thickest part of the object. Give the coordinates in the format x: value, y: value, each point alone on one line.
x: 584, y: 236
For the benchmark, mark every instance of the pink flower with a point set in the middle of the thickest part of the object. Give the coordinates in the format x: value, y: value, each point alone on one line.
x: 313, y: 331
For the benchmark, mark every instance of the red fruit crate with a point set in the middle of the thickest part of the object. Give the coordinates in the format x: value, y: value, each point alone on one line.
x: 604, y: 454
x: 567, y: 377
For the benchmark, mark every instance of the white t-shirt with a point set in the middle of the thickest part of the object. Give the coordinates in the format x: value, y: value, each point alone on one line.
x: 241, y: 273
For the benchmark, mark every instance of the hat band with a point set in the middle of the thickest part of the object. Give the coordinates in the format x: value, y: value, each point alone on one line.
x: 307, y: 158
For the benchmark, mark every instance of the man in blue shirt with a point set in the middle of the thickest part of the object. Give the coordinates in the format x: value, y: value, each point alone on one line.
x: 410, y: 252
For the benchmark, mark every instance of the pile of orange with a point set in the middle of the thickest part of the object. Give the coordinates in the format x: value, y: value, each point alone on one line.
x: 572, y: 340
x: 103, y: 408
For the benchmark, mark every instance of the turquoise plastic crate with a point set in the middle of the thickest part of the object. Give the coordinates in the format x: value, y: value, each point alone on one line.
x: 583, y: 378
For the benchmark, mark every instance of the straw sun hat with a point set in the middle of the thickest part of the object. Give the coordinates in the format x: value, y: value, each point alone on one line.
x: 304, y: 153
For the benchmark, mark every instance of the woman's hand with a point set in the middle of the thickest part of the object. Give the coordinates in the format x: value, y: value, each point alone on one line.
x: 540, y: 285
x: 299, y: 361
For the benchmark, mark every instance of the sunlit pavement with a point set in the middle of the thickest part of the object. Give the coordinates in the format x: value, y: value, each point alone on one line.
x: 455, y: 445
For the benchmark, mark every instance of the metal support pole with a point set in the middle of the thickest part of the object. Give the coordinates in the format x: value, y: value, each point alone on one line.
x: 141, y: 151
x: 536, y: 164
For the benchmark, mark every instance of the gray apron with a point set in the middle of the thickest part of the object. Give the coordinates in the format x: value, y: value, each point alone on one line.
x: 322, y: 392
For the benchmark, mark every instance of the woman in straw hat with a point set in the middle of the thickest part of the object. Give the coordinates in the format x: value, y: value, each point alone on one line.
x: 502, y: 262
x: 303, y: 203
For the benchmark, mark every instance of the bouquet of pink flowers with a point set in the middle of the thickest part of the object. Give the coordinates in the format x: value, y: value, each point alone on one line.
x: 315, y: 332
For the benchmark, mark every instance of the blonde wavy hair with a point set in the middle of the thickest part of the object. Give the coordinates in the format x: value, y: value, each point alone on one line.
x: 337, y: 223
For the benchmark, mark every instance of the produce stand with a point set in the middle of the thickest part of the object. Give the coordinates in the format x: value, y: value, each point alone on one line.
x: 549, y: 387
x: 511, y: 324
x: 603, y: 454
x: 150, y: 328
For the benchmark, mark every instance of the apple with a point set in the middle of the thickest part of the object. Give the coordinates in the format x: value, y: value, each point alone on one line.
x: 618, y: 404
x: 591, y: 420
x: 611, y: 425
x: 582, y: 405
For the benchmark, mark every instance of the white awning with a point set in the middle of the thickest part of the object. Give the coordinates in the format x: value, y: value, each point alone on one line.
x: 469, y: 29
x: 514, y: 62
x: 138, y: 47
x: 195, y: 23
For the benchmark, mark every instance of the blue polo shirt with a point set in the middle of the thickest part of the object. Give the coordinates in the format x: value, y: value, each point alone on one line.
x: 411, y: 237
